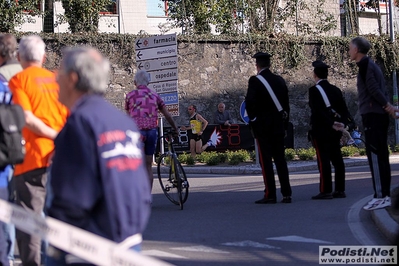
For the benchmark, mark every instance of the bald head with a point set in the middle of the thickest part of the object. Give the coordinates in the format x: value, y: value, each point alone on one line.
x: 221, y: 107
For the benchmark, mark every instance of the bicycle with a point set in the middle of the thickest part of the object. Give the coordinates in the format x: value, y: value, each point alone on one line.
x: 174, y: 185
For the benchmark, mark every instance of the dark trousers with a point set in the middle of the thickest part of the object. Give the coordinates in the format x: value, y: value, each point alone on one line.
x: 30, y: 195
x: 3, y: 240
x: 329, y: 150
x: 376, y: 133
x: 269, y: 149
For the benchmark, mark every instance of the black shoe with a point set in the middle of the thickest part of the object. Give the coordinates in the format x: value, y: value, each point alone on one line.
x: 286, y: 200
x: 323, y: 196
x: 266, y: 201
x: 339, y: 194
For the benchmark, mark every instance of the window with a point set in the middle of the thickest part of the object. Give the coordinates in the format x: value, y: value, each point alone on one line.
x: 157, y: 8
x: 110, y: 9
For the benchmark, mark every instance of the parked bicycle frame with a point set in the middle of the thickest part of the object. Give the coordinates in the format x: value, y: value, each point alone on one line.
x: 171, y: 175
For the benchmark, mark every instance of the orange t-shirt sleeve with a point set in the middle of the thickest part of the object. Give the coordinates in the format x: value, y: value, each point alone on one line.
x: 19, y: 96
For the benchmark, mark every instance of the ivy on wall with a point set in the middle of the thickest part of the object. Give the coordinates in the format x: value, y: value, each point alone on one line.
x: 289, y: 51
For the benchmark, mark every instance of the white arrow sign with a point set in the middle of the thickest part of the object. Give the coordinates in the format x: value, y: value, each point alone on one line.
x: 156, y: 41
x: 159, y: 52
x: 158, y: 64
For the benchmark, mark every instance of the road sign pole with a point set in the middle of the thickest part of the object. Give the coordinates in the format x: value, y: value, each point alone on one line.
x: 161, y: 143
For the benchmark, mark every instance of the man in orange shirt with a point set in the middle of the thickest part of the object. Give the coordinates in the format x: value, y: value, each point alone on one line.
x: 36, y: 90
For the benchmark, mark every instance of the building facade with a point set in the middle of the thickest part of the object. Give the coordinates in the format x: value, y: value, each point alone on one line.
x: 150, y: 16
x: 123, y: 16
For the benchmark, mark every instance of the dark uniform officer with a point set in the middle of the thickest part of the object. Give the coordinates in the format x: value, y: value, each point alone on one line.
x: 269, y: 125
x: 326, y: 125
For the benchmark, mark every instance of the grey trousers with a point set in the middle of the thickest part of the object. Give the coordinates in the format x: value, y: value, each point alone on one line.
x: 30, y: 188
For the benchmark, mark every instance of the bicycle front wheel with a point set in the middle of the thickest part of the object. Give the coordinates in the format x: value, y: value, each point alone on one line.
x: 168, y: 179
x: 182, y: 183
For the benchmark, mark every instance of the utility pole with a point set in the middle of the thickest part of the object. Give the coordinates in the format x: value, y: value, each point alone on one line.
x: 394, y: 80
x: 47, y: 7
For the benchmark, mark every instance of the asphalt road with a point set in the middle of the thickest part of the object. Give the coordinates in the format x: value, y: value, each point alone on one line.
x: 220, y: 224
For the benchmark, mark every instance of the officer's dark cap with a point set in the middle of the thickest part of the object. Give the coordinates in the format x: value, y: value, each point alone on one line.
x: 320, y: 64
x: 261, y: 55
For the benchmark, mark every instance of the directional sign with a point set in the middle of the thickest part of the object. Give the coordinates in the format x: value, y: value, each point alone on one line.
x: 156, y: 41
x: 159, y: 52
x: 163, y: 75
x: 158, y: 64
x: 243, y: 113
x: 173, y: 109
x: 162, y: 87
x: 170, y: 98
x: 158, y: 56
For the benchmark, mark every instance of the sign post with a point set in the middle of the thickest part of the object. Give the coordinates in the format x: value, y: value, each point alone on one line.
x: 243, y: 113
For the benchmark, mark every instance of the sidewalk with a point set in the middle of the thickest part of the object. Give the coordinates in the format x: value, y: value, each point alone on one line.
x: 383, y: 220
x: 254, y: 169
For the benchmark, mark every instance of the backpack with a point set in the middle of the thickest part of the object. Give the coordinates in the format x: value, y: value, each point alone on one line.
x: 12, y: 120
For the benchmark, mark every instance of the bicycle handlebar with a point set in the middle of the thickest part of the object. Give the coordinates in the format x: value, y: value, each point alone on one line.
x: 169, y: 134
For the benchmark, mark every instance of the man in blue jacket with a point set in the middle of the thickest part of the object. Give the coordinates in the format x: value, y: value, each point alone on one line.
x: 98, y: 180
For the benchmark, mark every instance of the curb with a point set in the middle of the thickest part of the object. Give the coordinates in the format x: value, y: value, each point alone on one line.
x: 386, y: 224
x: 254, y: 169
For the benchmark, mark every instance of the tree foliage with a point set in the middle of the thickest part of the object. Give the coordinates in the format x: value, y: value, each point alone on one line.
x: 14, y: 14
x: 82, y: 15
x: 250, y: 16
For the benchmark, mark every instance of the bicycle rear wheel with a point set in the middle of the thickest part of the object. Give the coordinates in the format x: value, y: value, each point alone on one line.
x: 169, y: 181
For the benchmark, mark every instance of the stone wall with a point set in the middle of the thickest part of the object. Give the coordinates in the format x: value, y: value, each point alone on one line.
x: 213, y: 72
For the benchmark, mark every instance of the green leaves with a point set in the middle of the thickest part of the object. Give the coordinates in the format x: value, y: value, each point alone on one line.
x: 233, y: 17
x: 82, y: 15
x: 14, y: 14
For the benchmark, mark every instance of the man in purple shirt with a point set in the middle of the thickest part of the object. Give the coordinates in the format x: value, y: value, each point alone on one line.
x: 143, y: 106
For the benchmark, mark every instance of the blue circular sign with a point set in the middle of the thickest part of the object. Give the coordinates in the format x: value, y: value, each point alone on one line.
x: 243, y: 113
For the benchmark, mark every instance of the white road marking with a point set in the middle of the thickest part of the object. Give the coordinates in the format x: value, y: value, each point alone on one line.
x: 299, y: 239
x: 201, y: 249
x: 159, y: 253
x: 249, y: 243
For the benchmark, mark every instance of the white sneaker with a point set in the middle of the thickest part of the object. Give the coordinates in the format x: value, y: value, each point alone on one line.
x: 377, y: 203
